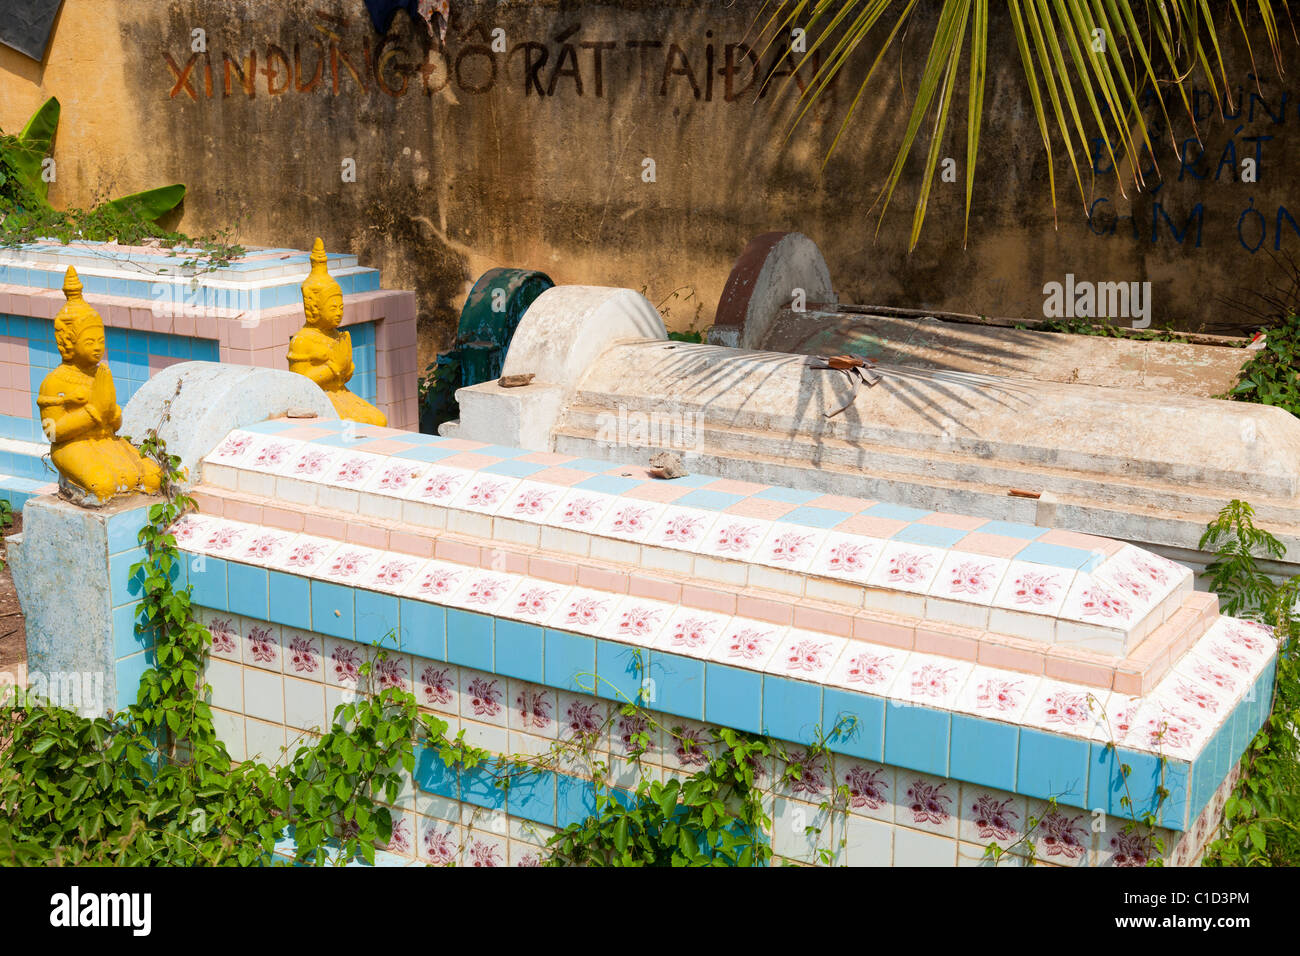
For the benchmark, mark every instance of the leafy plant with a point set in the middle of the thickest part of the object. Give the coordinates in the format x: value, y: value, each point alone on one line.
x: 1261, y: 825
x: 1270, y: 376
x: 1089, y: 66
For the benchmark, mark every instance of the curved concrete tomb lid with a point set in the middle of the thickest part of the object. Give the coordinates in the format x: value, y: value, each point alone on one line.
x: 194, y: 405
x: 771, y: 552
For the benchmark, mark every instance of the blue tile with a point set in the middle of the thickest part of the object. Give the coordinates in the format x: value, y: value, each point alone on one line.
x: 127, y: 673
x: 433, y: 776
x: 246, y: 586
x: 570, y: 661
x: 469, y: 639
x: 128, y: 638
x: 983, y: 752
x: 515, y: 469
x: 931, y: 534
x: 505, y: 451
x: 791, y: 496
x: 332, y: 609
x: 792, y: 710
x: 693, y: 481
x: 733, y: 698
x: 126, y: 587
x: 427, y: 453
x: 124, y: 529
x: 676, y: 685
x: 608, y: 484
x: 424, y: 629
x: 854, y: 724
x: 207, y: 576
x: 532, y: 797
x: 290, y: 600
x: 896, y: 512
x: 1053, y: 767
x: 478, y: 785
x: 815, y: 517
x: 376, y: 616
x: 708, y: 500
x: 575, y: 800
x: 917, y: 738
x: 620, y: 670
x: 519, y: 650
x: 1056, y: 555
x: 594, y: 465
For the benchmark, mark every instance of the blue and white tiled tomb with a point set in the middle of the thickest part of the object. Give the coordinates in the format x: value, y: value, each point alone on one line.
x: 967, y: 676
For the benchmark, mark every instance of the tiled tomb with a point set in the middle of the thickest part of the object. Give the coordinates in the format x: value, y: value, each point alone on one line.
x: 982, y: 672
x: 157, y: 312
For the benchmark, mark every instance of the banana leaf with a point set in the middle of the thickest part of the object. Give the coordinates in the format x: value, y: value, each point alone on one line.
x: 35, y: 143
x: 151, y: 203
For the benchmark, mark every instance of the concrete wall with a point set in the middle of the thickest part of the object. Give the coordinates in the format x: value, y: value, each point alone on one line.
x: 534, y: 156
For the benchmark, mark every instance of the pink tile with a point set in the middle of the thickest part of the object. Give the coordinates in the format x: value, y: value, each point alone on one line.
x: 407, y: 543
x: 367, y: 534
x: 709, y: 599
x: 1079, y: 667
x: 243, y: 511
x: 763, y: 609
x: 544, y: 458
x: 559, y: 476
x: 729, y: 486
x: 208, y: 504
x: 503, y: 559
x: 1086, y: 542
x: 947, y: 640
x: 659, y: 589
x: 282, y: 518
x: 387, y: 446
x: 656, y: 491
x: 840, y: 503
x: 458, y: 551
x: 996, y: 545
x: 958, y: 522
x: 306, y: 432
x: 323, y: 527
x: 888, y: 630
x: 470, y: 460
x: 996, y: 650
x: 871, y: 527
x: 547, y: 570
x: 825, y: 622
x: 760, y: 508
x: 600, y: 579
x: 460, y: 444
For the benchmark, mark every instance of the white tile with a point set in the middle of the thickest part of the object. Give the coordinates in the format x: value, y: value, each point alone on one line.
x: 848, y: 557
x: 680, y: 527
x: 925, y: 802
x: 437, y: 581
x: 353, y: 469
x: 931, y: 680
x: 484, y: 591
x: 483, y: 698
x: 531, y: 501
x: 630, y: 519
x: 307, y: 462
x: 534, y: 600
x: 304, y: 704
x: 971, y: 578
x: 580, y: 510
x: 996, y: 694
x: 584, y: 611
x: 484, y: 493
x: 868, y: 842
x: 264, y: 696
x: 439, y: 485
x: 348, y: 564
x: 270, y: 453
x: 870, y: 788
x: 471, y: 523
x: 868, y: 668
x: 396, y: 477
x: 393, y: 573
x: 302, y: 653
x: 914, y: 848
x: 266, y: 547
x: 692, y: 632
x: 437, y: 686
x: 338, y: 499
x: 806, y: 655
x: 907, y: 567
x: 734, y: 537
x: 232, y: 448
x: 1033, y: 588
x: 1093, y: 601
x: 791, y: 547
x: 1065, y: 708
x: 748, y: 643
x: 227, y: 684
x: 636, y: 620
x: 262, y: 645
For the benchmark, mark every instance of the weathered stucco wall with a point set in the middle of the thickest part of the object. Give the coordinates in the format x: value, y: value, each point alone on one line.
x: 534, y: 156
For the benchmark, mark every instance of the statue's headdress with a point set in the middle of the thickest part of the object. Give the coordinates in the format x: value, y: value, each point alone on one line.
x: 319, y: 283
x: 76, y: 315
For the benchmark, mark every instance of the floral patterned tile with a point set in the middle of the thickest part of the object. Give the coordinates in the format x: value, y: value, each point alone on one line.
x: 927, y: 803
x: 483, y: 698
x: 437, y: 581
x: 484, y: 591
x: 302, y: 653
x: 343, y: 660
x: 636, y: 735
x: 534, y: 601
x: 439, y: 485
x: 969, y: 577
x: 1033, y: 588
x: 1170, y: 730
x: 1185, y: 695
x: 354, y: 469
x: 1164, y: 575
x: 223, y: 538
x: 262, y: 645
x: 747, y: 643
x: 305, y: 554
x: 734, y: 537
x: 629, y: 519
x: 190, y: 530
x: 439, y: 842
x: 680, y: 527
x: 997, y: 694
x: 791, y: 547
x: 484, y: 849
x: 307, y: 462
x: 266, y: 547
x: 806, y: 655
x: 1094, y: 601
x: 531, y: 709
x: 1219, y: 651
x: 1063, y: 834
x: 484, y: 493
x: 392, y: 573
x: 437, y: 686
x: 692, y: 632
x: 581, y: 718
x: 393, y: 670
x: 868, y: 668
x: 1114, y: 716
x: 1256, y: 641
x: 396, y: 477
x: 931, y: 681
x: 870, y: 787
x: 1066, y: 708
x: 584, y: 611
x: 849, y: 557
x: 991, y: 816
x: 401, y: 838
x: 1218, y: 678
x: 349, y: 564
x: 532, y: 501
x: 271, y: 454
x: 580, y: 510
x: 636, y: 620
x: 907, y: 567
x: 227, y: 636
x: 232, y: 448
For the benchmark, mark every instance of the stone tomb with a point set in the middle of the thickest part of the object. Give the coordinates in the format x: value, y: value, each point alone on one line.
x: 1148, y: 466
x: 974, y: 671
x: 158, y: 313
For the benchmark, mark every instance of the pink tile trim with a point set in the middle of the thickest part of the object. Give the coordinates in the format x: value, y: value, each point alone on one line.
x: 763, y: 609
x: 238, y: 510
x: 548, y: 570
x: 1086, y: 542
x: 208, y: 503
x: 417, y: 544
x: 601, y: 579
x: 368, y: 535
x: 545, y: 458
x: 995, y: 545
x: 827, y: 622
x: 323, y: 527
x: 1079, y: 667
x: 559, y: 476
x: 890, y: 630
x: 872, y: 527
x: 947, y: 640
x: 760, y: 508
x: 469, y: 460
x: 840, y: 503
x: 708, y: 599
x: 1009, y: 653
x: 458, y: 551
x: 729, y: 486
x: 658, y: 589
x: 656, y: 491
x: 461, y: 444
x: 388, y: 446
x: 282, y: 518
x: 957, y: 522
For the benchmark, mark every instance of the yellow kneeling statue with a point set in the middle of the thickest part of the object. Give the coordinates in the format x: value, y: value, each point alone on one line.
x: 79, y: 410
x: 323, y: 353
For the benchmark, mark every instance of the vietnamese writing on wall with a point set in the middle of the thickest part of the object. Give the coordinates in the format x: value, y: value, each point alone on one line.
x: 340, y: 56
